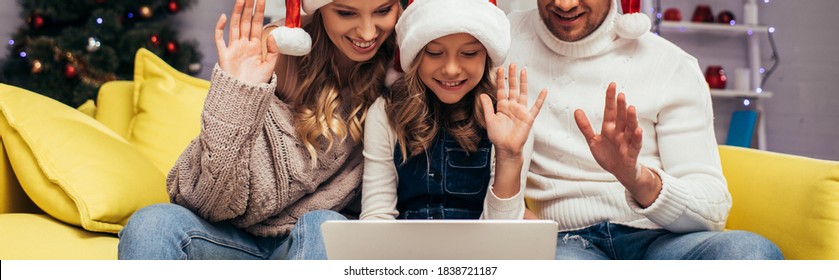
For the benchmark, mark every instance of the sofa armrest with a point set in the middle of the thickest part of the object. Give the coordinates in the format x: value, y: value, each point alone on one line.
x: 12, y: 197
x: 115, y: 106
x: 791, y: 200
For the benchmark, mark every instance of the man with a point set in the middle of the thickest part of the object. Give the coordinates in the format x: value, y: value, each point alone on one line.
x: 648, y: 184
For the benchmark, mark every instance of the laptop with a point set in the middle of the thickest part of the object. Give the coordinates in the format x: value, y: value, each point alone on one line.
x: 440, y: 240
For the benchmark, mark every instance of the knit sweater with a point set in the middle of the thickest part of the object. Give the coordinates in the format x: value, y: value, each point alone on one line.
x: 664, y: 83
x: 249, y: 166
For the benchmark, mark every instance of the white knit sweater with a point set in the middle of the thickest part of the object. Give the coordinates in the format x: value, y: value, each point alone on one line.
x: 664, y: 83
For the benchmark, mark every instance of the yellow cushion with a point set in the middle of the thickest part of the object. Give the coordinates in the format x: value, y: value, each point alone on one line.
x: 791, y: 200
x: 116, y: 106
x: 88, y: 108
x: 12, y: 197
x: 167, y: 106
x: 39, y: 237
x: 73, y: 167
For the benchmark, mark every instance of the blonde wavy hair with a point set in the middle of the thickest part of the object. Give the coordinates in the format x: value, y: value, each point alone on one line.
x: 416, y: 114
x: 332, y: 107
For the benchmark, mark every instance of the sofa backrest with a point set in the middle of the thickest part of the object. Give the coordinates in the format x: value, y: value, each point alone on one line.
x: 791, y: 200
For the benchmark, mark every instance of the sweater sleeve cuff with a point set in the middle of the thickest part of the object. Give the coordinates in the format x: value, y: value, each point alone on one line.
x: 234, y: 101
x: 504, y: 208
x: 671, y: 203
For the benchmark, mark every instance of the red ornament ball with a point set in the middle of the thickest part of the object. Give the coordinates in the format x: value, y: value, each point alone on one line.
x: 37, y: 21
x: 70, y: 71
x: 172, y: 47
x: 174, y: 7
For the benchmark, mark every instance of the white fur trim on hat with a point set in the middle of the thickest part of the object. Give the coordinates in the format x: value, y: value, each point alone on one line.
x: 426, y: 20
x: 631, y: 25
x: 310, y: 6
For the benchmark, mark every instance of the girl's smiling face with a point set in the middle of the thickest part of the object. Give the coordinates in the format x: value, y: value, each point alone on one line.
x: 452, y: 65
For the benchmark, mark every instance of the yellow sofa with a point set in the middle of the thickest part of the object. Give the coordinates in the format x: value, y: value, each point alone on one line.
x: 70, y: 179
x: 792, y: 200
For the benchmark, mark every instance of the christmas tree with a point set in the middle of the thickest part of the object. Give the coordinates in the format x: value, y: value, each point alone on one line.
x: 67, y: 49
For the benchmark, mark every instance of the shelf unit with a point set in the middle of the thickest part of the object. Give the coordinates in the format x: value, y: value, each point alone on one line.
x: 683, y: 26
x: 750, y: 28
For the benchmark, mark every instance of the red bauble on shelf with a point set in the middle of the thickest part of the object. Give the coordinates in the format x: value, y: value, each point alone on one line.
x: 726, y: 17
x: 715, y: 76
x: 672, y: 14
x: 702, y: 14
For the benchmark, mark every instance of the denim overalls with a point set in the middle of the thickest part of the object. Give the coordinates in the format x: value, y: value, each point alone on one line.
x: 445, y: 182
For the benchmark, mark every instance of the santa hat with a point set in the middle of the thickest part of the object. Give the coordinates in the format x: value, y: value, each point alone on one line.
x: 632, y: 23
x: 291, y: 38
x: 426, y: 20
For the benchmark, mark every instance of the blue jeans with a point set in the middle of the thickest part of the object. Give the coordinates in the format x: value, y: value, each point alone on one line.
x: 172, y: 232
x: 607, y: 241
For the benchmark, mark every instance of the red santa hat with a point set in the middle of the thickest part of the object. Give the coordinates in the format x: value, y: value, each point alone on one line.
x: 291, y: 38
x: 632, y: 23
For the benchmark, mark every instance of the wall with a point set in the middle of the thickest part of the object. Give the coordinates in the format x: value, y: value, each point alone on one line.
x: 801, y: 118
x: 9, y: 23
x: 197, y: 23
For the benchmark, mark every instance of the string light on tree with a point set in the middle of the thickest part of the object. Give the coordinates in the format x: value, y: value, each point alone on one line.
x: 172, y: 47
x: 195, y: 68
x: 37, y: 67
x: 155, y: 40
x: 146, y: 12
x: 93, y: 44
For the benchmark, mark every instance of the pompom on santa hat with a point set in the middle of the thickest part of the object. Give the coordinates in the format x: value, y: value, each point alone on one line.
x: 291, y: 38
x: 632, y: 23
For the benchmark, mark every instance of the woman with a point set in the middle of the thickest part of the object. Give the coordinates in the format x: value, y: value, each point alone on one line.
x: 279, y: 151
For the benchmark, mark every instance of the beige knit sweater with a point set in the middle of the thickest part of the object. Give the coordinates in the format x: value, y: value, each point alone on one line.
x: 249, y: 166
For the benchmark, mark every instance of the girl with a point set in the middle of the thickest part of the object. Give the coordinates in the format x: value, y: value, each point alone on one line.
x: 280, y: 139
x: 428, y: 144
